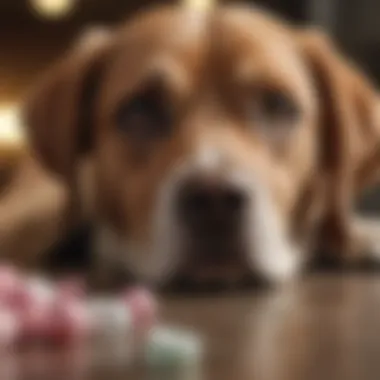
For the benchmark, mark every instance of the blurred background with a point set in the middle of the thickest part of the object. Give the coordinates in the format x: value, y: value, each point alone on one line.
x: 34, y: 32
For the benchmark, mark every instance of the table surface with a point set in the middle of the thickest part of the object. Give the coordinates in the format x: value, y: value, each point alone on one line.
x: 326, y: 327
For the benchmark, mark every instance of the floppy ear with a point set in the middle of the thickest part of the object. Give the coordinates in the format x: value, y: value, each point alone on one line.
x: 349, y: 133
x: 58, y: 113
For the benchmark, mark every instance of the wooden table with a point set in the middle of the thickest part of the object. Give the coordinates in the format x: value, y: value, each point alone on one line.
x: 327, y: 327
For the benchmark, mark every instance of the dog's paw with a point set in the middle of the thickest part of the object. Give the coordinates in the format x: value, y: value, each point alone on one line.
x: 367, y: 234
x: 355, y: 247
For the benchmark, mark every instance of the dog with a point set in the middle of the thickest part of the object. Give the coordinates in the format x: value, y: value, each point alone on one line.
x: 214, y: 146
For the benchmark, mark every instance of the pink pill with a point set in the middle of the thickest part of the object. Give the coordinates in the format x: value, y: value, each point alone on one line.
x: 20, y: 300
x: 34, y: 294
x: 9, y: 328
x: 143, y: 306
x: 10, y: 284
x: 8, y: 271
x: 34, y: 323
x: 34, y: 312
x: 71, y: 288
x: 69, y: 322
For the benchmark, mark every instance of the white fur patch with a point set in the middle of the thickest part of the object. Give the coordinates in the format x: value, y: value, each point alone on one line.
x: 367, y: 230
x: 273, y: 256
x: 208, y: 159
x: 93, y: 38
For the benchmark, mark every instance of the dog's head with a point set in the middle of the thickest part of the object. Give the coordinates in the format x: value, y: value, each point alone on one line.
x: 210, y: 135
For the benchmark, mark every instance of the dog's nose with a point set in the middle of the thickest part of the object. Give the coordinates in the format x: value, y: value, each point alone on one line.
x: 210, y: 206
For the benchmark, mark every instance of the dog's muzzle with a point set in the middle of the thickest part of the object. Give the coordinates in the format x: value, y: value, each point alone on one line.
x: 211, y: 214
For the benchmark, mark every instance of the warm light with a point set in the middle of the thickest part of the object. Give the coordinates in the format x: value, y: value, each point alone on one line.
x: 12, y: 141
x: 53, y: 9
x: 199, y: 4
x: 10, y: 128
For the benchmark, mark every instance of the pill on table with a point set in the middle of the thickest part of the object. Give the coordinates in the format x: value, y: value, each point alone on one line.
x: 109, y: 316
x: 112, y: 326
x: 169, y: 347
x: 143, y: 307
x: 34, y: 320
x: 10, y: 282
x: 40, y: 290
x: 9, y: 328
x: 32, y: 306
x: 68, y: 321
x: 32, y: 325
x: 27, y: 291
x: 71, y: 287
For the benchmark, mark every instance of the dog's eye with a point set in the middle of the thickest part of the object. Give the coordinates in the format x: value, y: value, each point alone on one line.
x: 144, y: 116
x: 276, y: 106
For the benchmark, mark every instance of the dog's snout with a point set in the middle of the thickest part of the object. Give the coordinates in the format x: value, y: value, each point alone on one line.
x: 211, y: 204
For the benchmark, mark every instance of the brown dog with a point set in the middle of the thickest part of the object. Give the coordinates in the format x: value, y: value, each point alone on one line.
x: 219, y: 144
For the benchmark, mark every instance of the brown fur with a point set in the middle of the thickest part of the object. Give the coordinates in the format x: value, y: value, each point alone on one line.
x: 326, y: 162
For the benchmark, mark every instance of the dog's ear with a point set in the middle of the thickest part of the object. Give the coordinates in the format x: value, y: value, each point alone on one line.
x: 58, y: 113
x: 348, y: 127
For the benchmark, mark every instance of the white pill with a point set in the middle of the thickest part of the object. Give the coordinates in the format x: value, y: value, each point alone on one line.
x: 112, y: 326
x: 173, y: 347
x: 110, y: 317
x: 41, y: 290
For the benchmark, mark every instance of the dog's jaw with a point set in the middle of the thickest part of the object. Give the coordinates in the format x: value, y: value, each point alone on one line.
x: 268, y: 251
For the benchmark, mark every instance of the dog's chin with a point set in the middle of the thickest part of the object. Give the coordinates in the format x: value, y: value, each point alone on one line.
x: 213, y: 279
x: 205, y: 266
x: 262, y: 256
x: 200, y: 273
x: 194, y: 274
x: 189, y: 267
